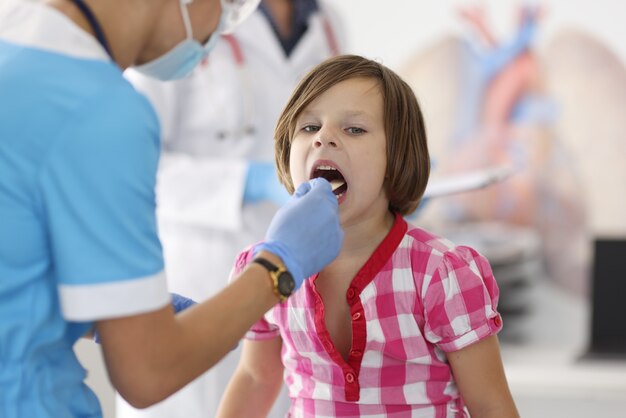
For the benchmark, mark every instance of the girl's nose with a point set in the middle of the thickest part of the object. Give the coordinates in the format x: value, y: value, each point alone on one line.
x: 324, y: 139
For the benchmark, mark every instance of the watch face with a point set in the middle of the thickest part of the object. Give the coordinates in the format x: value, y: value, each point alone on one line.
x: 285, y: 284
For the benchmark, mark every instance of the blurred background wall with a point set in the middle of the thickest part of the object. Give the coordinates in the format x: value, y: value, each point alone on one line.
x: 397, y: 29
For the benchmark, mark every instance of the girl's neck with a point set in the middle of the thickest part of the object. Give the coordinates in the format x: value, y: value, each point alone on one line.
x: 361, y: 238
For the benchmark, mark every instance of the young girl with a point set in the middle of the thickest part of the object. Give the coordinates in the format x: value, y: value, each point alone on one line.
x: 402, y: 323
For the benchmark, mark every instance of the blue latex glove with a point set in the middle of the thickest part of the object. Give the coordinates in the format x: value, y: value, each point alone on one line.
x: 179, y: 303
x: 305, y: 233
x: 262, y: 184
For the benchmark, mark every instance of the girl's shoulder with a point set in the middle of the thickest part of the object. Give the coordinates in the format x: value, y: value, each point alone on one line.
x: 429, y: 252
x: 422, y: 239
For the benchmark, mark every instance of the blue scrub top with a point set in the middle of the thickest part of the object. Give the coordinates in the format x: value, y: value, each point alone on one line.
x: 79, y: 150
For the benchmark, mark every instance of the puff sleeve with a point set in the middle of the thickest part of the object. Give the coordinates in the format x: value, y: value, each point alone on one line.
x: 460, y: 301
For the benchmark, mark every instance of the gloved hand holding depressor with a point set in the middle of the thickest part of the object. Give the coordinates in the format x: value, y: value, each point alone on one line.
x: 305, y: 233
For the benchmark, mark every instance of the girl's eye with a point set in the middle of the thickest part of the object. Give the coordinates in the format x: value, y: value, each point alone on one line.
x: 355, y: 131
x: 310, y: 128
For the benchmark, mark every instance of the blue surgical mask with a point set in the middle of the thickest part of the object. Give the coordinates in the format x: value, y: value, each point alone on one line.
x: 184, y: 57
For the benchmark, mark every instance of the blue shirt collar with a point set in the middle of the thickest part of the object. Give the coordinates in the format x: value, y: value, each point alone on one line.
x: 302, y: 11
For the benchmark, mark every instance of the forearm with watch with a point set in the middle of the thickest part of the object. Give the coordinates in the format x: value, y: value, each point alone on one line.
x: 149, y: 356
x: 281, y: 280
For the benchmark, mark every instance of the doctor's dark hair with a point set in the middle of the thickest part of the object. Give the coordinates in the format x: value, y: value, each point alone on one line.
x: 408, y: 162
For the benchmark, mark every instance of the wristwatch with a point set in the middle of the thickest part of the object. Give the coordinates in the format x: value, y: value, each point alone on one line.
x: 281, y: 279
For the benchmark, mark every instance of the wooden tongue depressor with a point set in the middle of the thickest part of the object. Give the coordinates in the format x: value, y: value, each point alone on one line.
x: 335, y: 184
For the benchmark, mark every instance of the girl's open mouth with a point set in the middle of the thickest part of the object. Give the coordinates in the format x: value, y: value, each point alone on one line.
x: 334, y: 177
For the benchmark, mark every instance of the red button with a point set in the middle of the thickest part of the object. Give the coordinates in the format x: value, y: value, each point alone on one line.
x: 497, y: 320
x: 355, y: 353
x: 351, y: 293
x: 356, y: 316
x: 349, y: 377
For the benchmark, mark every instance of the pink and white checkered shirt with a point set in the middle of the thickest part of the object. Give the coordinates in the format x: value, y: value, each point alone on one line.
x: 416, y: 298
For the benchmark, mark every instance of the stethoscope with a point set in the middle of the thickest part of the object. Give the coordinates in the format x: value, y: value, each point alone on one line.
x: 246, y: 124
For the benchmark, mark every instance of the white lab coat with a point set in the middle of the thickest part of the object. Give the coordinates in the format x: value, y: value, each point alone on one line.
x: 202, y: 220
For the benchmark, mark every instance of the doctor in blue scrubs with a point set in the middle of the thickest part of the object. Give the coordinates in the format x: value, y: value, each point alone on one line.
x: 79, y: 249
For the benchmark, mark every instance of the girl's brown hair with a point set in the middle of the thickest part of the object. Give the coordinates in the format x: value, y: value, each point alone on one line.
x: 408, y: 162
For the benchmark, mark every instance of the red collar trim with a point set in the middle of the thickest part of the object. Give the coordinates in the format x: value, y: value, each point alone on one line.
x: 365, y: 275
x: 379, y: 257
